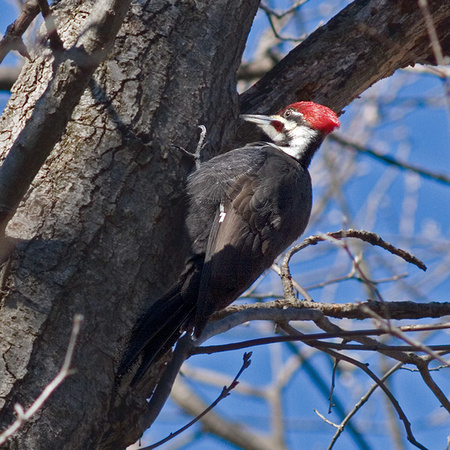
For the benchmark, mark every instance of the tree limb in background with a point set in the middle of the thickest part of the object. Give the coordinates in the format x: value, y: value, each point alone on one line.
x: 345, y: 75
x: 339, y: 356
x: 437, y: 47
x: 387, y: 159
x: 8, y: 76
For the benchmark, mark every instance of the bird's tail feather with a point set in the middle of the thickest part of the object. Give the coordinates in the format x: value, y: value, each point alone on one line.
x: 156, y: 331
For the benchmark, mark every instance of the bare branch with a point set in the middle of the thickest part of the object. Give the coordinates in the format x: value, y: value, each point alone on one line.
x: 347, y: 335
x: 23, y: 416
x: 12, y: 40
x: 366, y: 236
x: 400, y: 412
x: 280, y: 16
x: 214, y: 422
x: 426, y: 376
x: 395, y: 331
x: 393, y: 310
x: 372, y: 238
x: 363, y: 400
x: 275, y: 312
x: 225, y: 393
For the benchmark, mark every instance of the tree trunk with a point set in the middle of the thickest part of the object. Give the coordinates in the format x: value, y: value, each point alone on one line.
x: 106, y: 207
x: 100, y: 230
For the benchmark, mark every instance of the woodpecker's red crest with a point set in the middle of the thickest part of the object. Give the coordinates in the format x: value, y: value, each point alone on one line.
x: 318, y: 116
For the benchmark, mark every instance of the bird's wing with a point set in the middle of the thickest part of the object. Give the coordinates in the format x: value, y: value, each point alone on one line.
x: 241, y: 245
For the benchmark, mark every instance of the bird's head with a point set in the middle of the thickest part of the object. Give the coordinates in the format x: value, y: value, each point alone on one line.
x: 298, y: 129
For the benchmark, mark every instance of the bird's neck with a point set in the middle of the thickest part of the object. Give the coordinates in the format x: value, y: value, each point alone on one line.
x: 301, y: 145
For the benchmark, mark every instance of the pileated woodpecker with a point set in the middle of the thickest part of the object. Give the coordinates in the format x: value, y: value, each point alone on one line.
x: 246, y: 207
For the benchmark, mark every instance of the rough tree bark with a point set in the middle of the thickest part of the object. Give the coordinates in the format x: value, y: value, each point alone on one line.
x: 100, y: 230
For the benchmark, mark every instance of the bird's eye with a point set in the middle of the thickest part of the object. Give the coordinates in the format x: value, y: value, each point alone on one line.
x: 288, y: 113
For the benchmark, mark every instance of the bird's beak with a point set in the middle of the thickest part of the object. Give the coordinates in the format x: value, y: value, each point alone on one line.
x: 256, y: 118
x: 274, y: 121
x: 271, y: 125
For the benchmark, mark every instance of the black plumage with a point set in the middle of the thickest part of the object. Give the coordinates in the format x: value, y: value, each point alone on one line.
x: 246, y: 207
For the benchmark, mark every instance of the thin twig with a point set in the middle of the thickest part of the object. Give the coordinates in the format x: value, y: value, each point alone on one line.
x: 426, y: 376
x: 329, y: 422
x: 366, y: 236
x: 395, y: 331
x: 280, y: 15
x: 348, y: 335
x: 290, y: 330
x: 351, y: 276
x: 278, y: 35
x: 225, y: 393
x: 362, y: 401
x: 386, y: 348
x: 333, y: 385
x: 56, y: 43
x: 23, y: 416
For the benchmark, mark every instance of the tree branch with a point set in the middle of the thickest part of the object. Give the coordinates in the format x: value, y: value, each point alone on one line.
x: 383, y: 35
x: 346, y: 335
x: 392, y: 310
x: 428, y: 380
x: 363, y: 400
x: 12, y: 40
x: 339, y: 356
x: 366, y: 236
x: 387, y: 159
x: 225, y: 393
